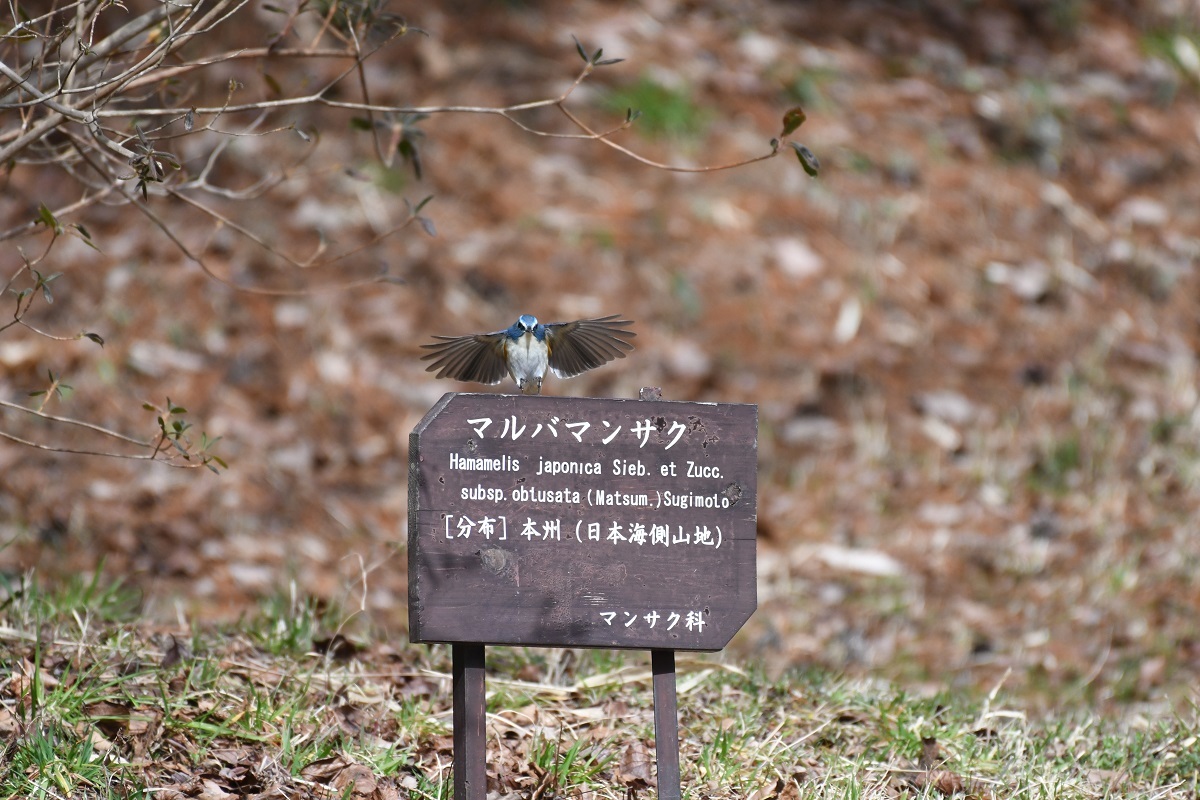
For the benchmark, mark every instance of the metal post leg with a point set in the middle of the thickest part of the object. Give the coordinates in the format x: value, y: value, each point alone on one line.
x: 470, y: 714
x: 666, y: 723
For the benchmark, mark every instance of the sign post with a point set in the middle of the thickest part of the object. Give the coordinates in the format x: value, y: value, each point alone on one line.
x: 572, y: 522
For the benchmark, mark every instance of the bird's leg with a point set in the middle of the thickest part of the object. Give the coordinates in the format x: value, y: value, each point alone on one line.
x: 531, y: 386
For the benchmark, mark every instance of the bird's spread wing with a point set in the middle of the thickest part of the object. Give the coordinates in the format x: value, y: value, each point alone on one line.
x: 585, y: 344
x: 478, y: 358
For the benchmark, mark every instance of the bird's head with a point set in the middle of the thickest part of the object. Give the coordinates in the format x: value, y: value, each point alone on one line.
x: 527, y: 323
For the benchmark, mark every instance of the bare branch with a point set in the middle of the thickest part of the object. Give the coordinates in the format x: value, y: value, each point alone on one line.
x: 305, y: 264
x: 602, y: 138
x: 73, y: 451
x: 78, y: 423
x: 170, y: 461
x: 251, y: 53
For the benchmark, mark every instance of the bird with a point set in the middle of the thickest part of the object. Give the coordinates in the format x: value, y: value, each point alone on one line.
x: 525, y: 349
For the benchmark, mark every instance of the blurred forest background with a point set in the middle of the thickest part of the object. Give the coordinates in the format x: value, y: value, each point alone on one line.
x: 972, y: 340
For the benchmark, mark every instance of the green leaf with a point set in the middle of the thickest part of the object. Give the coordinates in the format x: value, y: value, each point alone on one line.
x: 579, y: 49
x: 38, y: 393
x: 46, y: 217
x: 608, y: 61
x: 808, y: 159
x: 360, y: 124
x: 422, y: 204
x: 84, y: 235
x: 95, y: 337
x: 793, y: 118
x: 410, y: 154
x: 149, y: 407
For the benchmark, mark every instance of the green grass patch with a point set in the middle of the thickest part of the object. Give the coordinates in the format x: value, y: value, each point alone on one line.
x: 666, y: 112
x: 123, y: 709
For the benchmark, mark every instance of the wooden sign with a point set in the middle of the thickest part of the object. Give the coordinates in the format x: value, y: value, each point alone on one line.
x: 582, y: 522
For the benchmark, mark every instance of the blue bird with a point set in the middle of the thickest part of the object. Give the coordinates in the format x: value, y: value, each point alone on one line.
x: 527, y: 348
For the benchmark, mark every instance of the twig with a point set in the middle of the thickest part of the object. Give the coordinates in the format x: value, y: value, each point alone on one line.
x: 106, y: 454
x: 77, y: 422
x: 603, y: 139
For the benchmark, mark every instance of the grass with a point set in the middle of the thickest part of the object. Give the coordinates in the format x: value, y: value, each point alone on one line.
x: 97, y: 704
x: 666, y: 113
x: 1175, y: 44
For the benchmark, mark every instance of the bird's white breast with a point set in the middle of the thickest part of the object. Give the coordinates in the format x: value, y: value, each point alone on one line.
x: 527, y: 359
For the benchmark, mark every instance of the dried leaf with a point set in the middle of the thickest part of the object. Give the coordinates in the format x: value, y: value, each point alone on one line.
x: 942, y: 781
x: 931, y: 754
x: 213, y: 791
x: 769, y: 792
x: 349, y: 719
x: 110, y: 718
x: 232, y: 755
x: 323, y: 769
x: 417, y: 687
x: 337, y: 646
x: 173, y: 655
x: 636, y: 768
x: 358, y: 778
